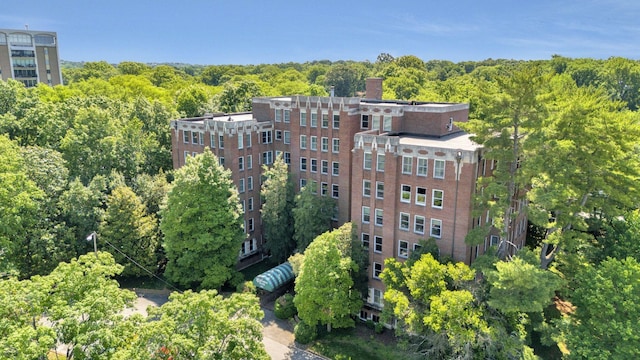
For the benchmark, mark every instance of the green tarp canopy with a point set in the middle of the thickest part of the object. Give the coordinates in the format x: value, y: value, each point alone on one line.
x: 274, y: 278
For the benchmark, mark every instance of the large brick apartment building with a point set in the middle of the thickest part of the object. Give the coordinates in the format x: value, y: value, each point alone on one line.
x: 400, y: 171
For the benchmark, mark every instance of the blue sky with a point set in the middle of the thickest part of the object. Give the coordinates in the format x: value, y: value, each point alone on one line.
x: 276, y: 31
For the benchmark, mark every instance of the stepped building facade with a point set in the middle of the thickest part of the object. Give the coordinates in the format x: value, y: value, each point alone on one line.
x: 400, y: 171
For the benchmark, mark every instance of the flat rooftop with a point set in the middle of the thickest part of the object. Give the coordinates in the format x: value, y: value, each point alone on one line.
x: 459, y: 141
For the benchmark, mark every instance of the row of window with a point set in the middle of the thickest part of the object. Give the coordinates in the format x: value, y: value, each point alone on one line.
x: 419, y: 222
x: 249, y: 184
x: 248, y: 247
x: 324, y: 143
x: 407, y: 165
x: 313, y: 119
x: 324, y: 188
x: 283, y: 115
x: 403, y: 252
x: 437, y: 196
x: 312, y: 165
x: 374, y: 121
x: 197, y: 137
x: 250, y: 207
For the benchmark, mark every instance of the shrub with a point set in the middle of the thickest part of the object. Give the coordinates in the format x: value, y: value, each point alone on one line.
x: 379, y: 328
x: 284, y: 307
x: 370, y: 324
x: 305, y: 333
x: 247, y: 287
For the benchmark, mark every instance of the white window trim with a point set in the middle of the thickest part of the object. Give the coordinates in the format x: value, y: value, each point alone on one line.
x: 433, y: 199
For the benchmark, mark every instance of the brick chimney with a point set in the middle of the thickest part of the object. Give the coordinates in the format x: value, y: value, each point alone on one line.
x: 374, y: 88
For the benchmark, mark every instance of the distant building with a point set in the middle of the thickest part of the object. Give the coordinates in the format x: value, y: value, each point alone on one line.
x: 30, y: 57
x: 400, y: 171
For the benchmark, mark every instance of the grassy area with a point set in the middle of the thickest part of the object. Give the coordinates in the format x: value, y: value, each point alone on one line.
x: 351, y: 344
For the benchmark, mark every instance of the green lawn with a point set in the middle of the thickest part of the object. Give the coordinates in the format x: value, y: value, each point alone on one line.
x: 354, y: 344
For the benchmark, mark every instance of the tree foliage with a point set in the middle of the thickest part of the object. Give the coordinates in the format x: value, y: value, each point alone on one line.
x: 312, y: 214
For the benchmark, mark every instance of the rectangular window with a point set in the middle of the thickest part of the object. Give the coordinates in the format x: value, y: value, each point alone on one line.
x: 324, y: 144
x: 380, y: 162
x: 335, y: 191
x: 314, y: 119
x: 251, y: 228
x: 437, y: 198
x: 366, y: 214
x: 404, y: 221
x: 287, y: 137
x: 335, y: 145
x: 364, y: 122
x: 303, y: 141
x: 386, y: 125
x: 201, y: 138
x: 303, y: 164
x: 377, y: 270
x: 221, y: 141
x: 314, y: 143
x: 287, y: 158
x: 367, y: 161
x: 418, y: 224
x: 303, y: 183
x: 422, y: 167
x: 377, y: 244
x: 494, y: 240
x: 249, y: 161
x: 221, y: 160
x: 278, y: 115
x: 324, y: 188
x: 336, y: 121
x: 335, y: 168
x: 278, y: 135
x: 195, y: 137
x: 303, y: 118
x: 240, y: 163
x: 421, y: 196
x: 325, y: 120
x: 186, y: 136
x: 267, y: 158
x: 405, y: 193
x: 287, y: 115
x: 212, y: 140
x: 324, y: 166
x: 375, y: 122
x: 248, y: 140
x: 403, y: 249
x: 250, y: 204
x: 365, y: 240
x: 314, y: 165
x: 266, y: 137
x: 366, y: 188
x: 438, y: 169
x: 379, y: 217
x: 379, y: 189
x: 436, y: 228
x: 241, y: 186
x: 407, y: 165
x: 250, y: 183
x: 186, y: 155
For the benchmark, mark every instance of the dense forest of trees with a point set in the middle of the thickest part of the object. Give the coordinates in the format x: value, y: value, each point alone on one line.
x: 94, y: 155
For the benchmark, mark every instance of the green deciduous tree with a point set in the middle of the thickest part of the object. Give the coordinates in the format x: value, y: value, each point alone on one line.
x: 202, y: 224
x: 277, y: 218
x: 201, y: 325
x: 325, y: 292
x: 312, y: 215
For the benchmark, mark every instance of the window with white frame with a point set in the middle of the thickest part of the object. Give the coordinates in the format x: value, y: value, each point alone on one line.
x: 379, y: 217
x: 407, y: 165
x: 221, y: 160
x: 335, y: 145
x: 201, y: 138
x: 314, y: 165
x: 303, y: 141
x: 380, y: 162
x: 335, y: 191
x: 266, y: 137
x: 286, y: 115
x: 375, y: 122
x: 303, y: 118
x: 377, y: 270
x: 248, y: 138
x: 418, y: 224
x: 221, y: 141
x: 421, y: 196
x: 366, y: 188
x: 278, y: 135
x: 324, y: 166
x: 240, y: 140
x: 243, y: 207
x: 438, y: 169
x: 324, y: 144
x: 422, y: 168
x: 404, y: 221
x: 377, y: 244
x: 194, y: 137
x: 366, y: 214
x: 314, y: 143
x: 403, y: 249
x: 436, y: 228
x: 405, y: 193
x: 303, y: 164
x: 250, y: 207
x: 287, y: 157
x: 249, y: 161
x: 267, y: 158
x: 250, y: 183
x: 251, y: 228
x: 336, y: 121
x: 287, y: 137
x: 335, y: 168
x: 367, y: 161
x: 241, y: 186
x: 365, y: 240
x: 314, y: 119
x: 325, y: 120
x: 380, y: 189
x: 212, y: 141
x: 186, y: 136
x: 303, y: 183
x: 494, y: 240
x: 186, y: 155
x: 364, y: 122
x: 324, y: 189
x: 437, y: 198
x: 278, y: 115
x: 386, y: 125
x: 241, y: 163
x: 376, y: 298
